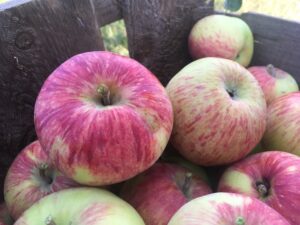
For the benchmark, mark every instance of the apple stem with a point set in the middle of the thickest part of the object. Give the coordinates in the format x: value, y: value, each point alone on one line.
x: 49, y: 221
x: 45, y: 172
x: 187, y: 182
x: 271, y: 70
x: 104, y: 92
x: 240, y: 221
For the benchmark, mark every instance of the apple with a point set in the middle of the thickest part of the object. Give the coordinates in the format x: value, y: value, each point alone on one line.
x: 221, y: 36
x: 273, y: 177
x: 226, y: 208
x: 5, y: 218
x: 274, y: 81
x: 219, y: 111
x: 283, y: 124
x: 161, y: 190
x: 30, y: 177
x: 84, y: 206
x: 103, y: 118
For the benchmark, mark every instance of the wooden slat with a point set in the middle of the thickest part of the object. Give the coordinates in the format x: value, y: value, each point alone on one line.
x: 157, y: 32
x: 107, y: 11
x: 36, y: 37
x: 277, y: 41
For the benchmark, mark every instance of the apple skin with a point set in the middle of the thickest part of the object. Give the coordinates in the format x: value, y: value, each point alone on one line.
x: 283, y: 124
x: 161, y: 190
x: 5, y: 218
x: 226, y: 208
x: 221, y: 36
x: 84, y: 206
x: 273, y: 81
x: 219, y: 111
x: 30, y: 177
x: 103, y: 118
x: 273, y: 177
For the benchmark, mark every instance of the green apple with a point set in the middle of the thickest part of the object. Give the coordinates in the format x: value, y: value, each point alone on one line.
x: 84, y: 206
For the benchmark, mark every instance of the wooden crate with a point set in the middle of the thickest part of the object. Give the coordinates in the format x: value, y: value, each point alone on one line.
x: 38, y: 35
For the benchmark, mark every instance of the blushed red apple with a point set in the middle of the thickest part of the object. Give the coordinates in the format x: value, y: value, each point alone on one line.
x: 219, y: 111
x: 274, y: 81
x: 161, y: 190
x: 30, y: 177
x: 103, y: 118
x: 228, y: 209
x: 273, y: 177
x: 221, y: 36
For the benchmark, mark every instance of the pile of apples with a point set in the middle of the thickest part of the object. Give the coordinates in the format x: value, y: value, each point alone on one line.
x: 104, y: 121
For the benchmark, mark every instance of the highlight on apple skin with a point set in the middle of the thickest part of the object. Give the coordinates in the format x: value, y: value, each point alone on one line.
x: 219, y: 111
x: 221, y: 36
x: 274, y: 81
x: 84, y: 206
x: 103, y: 118
x: 226, y: 208
x: 283, y: 124
x: 30, y: 177
x: 273, y: 177
x: 161, y: 190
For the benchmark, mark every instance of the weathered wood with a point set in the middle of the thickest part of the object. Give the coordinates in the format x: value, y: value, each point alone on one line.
x: 107, y: 11
x: 276, y: 42
x: 36, y: 37
x: 157, y: 32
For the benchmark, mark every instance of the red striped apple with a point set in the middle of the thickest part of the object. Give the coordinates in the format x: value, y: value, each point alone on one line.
x: 283, y: 124
x: 221, y: 36
x: 273, y: 177
x: 219, y: 111
x: 160, y: 191
x: 5, y: 217
x: 273, y: 81
x: 103, y: 118
x: 84, y: 206
x: 31, y: 177
x: 228, y: 209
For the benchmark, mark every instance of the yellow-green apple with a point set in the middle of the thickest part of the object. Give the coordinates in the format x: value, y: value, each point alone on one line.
x: 161, y: 190
x: 274, y: 81
x: 30, y: 177
x: 283, y: 124
x: 81, y: 206
x: 103, y: 118
x: 228, y: 209
x: 273, y: 177
x: 219, y: 111
x: 221, y: 36
x: 5, y: 217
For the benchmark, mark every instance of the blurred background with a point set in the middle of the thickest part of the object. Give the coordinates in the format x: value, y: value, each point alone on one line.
x: 114, y: 34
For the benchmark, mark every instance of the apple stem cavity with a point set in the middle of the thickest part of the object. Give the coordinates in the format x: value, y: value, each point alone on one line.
x: 46, y: 173
x: 104, y: 93
x: 49, y: 221
x: 271, y: 70
x: 263, y: 188
x: 187, y: 183
x: 239, y: 221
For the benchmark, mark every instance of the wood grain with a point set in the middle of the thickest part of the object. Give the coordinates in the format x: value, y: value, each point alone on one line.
x: 36, y: 37
x: 107, y: 11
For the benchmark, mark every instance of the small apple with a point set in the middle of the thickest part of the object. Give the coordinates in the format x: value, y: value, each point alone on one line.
x: 5, y: 217
x: 273, y: 177
x: 283, y: 124
x: 273, y: 81
x: 161, y: 190
x: 228, y: 209
x: 219, y: 111
x: 31, y: 177
x: 103, y: 118
x: 222, y: 36
x: 84, y: 206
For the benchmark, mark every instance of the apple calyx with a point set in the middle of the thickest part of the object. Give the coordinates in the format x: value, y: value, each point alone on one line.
x: 263, y: 188
x: 271, y: 70
x: 187, y: 183
x: 104, y: 93
x: 46, y: 173
x: 239, y: 221
x: 49, y: 221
